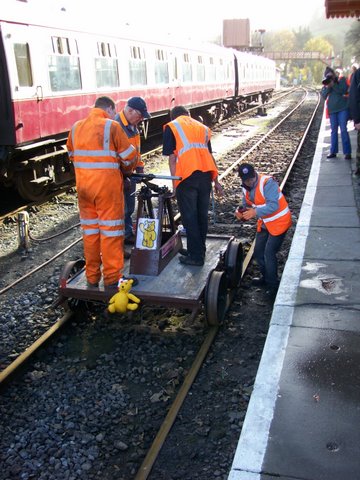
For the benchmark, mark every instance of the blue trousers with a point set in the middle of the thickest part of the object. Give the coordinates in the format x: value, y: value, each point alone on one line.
x: 129, y: 198
x: 266, y: 248
x: 193, y: 198
x: 340, y: 119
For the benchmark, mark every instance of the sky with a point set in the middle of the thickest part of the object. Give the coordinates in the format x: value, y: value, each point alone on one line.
x: 203, y: 19
x: 197, y: 19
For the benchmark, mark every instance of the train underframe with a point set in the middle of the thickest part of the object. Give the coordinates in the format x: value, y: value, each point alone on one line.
x: 38, y: 169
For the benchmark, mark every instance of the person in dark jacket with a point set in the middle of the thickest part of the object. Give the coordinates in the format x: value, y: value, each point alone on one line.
x: 354, y: 105
x: 134, y: 112
x: 334, y: 91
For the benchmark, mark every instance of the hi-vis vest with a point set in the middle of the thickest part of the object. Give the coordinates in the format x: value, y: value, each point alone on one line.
x: 277, y: 222
x: 192, y: 151
x: 99, y: 154
x: 133, y: 135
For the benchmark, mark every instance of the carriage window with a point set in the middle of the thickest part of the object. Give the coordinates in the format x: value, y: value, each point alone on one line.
x: 174, y: 68
x: 220, y: 71
x: 200, y: 70
x: 212, y: 70
x: 161, y: 67
x: 64, y: 65
x: 187, y: 68
x: 23, y: 65
x: 137, y: 66
x: 106, y: 66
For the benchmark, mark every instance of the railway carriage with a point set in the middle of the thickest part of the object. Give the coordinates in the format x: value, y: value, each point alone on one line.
x: 51, y: 76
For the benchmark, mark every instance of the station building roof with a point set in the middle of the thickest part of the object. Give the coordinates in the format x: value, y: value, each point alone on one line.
x: 342, y: 8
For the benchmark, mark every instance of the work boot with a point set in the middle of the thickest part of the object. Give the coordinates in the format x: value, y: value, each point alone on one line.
x: 92, y: 285
x: 190, y: 261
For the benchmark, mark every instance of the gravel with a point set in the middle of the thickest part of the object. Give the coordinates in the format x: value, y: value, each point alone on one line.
x: 89, y: 405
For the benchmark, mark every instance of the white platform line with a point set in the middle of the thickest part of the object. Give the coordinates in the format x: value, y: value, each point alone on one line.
x: 250, y: 452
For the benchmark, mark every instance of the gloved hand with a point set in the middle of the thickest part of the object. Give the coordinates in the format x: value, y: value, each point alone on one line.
x: 139, y: 170
x: 249, y: 214
x: 239, y: 213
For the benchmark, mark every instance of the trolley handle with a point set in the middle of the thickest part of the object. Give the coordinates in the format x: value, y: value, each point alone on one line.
x: 146, y: 177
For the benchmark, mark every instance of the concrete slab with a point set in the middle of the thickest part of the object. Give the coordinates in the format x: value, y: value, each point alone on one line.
x: 320, y: 217
x: 333, y: 179
x: 330, y: 243
x: 320, y: 381
x: 329, y: 196
x: 323, y: 316
x: 329, y: 283
x: 335, y: 166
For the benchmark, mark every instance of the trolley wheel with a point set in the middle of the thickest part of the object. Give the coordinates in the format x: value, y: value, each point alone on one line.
x: 70, y: 270
x: 216, y: 297
x: 234, y: 263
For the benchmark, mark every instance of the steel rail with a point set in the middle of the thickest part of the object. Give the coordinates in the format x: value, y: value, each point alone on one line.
x: 39, y: 267
x: 166, y: 426
x: 23, y: 357
x: 170, y: 418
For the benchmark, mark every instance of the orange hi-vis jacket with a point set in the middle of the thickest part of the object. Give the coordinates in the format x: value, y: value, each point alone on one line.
x: 133, y: 135
x: 277, y: 222
x: 192, y: 138
x: 101, y: 151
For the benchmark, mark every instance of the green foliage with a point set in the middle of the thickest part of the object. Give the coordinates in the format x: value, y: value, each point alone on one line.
x: 353, y: 41
x: 301, y: 37
x: 283, y: 40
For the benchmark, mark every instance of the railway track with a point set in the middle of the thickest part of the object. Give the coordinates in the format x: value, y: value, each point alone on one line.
x: 167, y: 324
x: 149, y: 150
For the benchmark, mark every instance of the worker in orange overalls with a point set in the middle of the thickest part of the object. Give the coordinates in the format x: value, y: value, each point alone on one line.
x: 262, y: 198
x: 134, y: 112
x: 187, y: 142
x: 101, y: 153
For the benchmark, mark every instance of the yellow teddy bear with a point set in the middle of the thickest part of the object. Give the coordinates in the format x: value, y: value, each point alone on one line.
x: 147, y: 228
x: 120, y: 301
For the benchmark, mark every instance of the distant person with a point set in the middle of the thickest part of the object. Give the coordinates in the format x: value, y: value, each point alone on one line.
x: 334, y: 90
x: 354, y: 104
x: 102, y: 154
x: 263, y: 199
x: 187, y: 143
x: 354, y: 67
x: 134, y: 112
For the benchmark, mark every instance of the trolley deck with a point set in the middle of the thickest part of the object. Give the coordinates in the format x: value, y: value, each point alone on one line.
x: 154, y: 261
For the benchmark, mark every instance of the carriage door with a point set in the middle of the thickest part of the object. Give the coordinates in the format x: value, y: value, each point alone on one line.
x: 7, y: 131
x: 25, y: 93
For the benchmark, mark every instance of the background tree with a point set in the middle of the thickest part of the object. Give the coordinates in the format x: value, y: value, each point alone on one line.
x: 352, y: 38
x: 281, y: 41
x: 319, y: 44
x: 302, y: 35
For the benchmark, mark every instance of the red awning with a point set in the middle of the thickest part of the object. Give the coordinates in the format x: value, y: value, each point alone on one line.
x: 342, y: 8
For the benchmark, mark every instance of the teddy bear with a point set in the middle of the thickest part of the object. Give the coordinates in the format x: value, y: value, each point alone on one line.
x: 147, y: 228
x: 120, y: 301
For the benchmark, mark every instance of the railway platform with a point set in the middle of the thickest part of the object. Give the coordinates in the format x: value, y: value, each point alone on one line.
x: 304, y: 413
